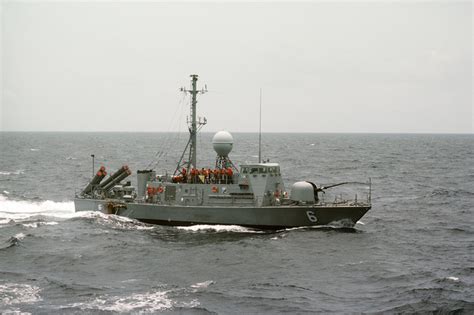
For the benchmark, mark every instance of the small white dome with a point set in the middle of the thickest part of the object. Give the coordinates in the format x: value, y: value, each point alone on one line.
x: 302, y: 192
x: 222, y: 143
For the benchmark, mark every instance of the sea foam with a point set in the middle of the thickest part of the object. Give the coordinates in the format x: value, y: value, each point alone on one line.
x: 148, y: 302
x: 217, y: 228
x: 22, y: 209
x: 15, y: 293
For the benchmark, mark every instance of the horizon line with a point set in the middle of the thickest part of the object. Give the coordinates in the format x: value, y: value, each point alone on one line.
x: 256, y: 132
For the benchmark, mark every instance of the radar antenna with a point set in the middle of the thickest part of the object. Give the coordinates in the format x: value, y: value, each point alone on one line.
x: 194, y: 125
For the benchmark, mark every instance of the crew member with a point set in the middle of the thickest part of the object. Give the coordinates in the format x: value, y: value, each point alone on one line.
x: 229, y: 175
x: 183, y: 173
x: 223, y: 177
x: 208, y: 174
x: 216, y: 175
x: 193, y: 175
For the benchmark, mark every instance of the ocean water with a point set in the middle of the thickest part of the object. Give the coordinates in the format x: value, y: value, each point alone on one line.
x: 413, y: 252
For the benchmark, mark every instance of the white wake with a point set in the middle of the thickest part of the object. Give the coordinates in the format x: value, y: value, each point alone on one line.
x: 217, y: 228
x: 23, y: 209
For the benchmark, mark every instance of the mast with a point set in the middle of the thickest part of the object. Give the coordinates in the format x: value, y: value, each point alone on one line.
x: 193, y: 131
x: 194, y: 124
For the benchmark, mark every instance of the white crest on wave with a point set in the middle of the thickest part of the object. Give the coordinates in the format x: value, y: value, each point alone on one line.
x: 16, y: 293
x: 22, y: 209
x: 5, y: 221
x: 19, y: 236
x: 344, y: 223
x: 139, y: 302
x: 17, y: 172
x: 204, y: 284
x: 36, y: 224
x: 113, y: 220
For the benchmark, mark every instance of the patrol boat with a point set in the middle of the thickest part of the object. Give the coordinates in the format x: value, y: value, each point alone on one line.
x: 252, y: 195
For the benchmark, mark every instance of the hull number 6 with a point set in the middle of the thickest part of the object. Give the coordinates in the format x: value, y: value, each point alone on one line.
x: 311, y: 216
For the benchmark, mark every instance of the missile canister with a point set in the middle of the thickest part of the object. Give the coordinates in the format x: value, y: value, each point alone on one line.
x: 95, y: 181
x: 117, y: 180
x: 114, y: 176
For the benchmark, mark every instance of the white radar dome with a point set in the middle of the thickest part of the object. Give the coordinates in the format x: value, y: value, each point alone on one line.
x: 222, y: 143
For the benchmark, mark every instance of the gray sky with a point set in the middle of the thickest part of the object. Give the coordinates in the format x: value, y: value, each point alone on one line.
x: 323, y: 66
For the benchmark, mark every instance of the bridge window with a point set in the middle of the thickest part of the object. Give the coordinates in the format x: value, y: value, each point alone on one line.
x: 259, y: 170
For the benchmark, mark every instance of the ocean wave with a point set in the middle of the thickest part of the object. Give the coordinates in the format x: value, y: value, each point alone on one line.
x: 443, y: 192
x: 19, y: 211
x: 19, y: 236
x: 338, y: 226
x: 279, y: 236
x: 280, y: 286
x: 352, y: 263
x: 201, y: 285
x: 154, y: 301
x: 437, y: 295
x: 22, y: 209
x: 17, y: 172
x: 37, y: 224
x: 14, y: 240
x: 341, y: 224
x: 74, y: 286
x: 29, y: 222
x: 17, y: 293
x: 112, y: 221
x: 461, y: 230
x: 5, y: 221
x: 432, y: 306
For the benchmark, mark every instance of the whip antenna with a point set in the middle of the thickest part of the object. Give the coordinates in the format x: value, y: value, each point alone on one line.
x: 260, y: 131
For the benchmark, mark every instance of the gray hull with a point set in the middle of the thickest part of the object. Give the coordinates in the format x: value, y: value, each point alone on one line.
x: 271, y: 217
